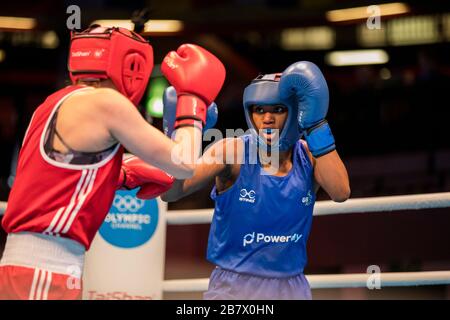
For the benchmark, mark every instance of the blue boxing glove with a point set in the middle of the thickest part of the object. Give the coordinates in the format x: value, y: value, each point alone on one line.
x: 305, y: 84
x: 170, y: 107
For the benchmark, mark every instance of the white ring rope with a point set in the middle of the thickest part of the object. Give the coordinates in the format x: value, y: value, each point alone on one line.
x: 355, y: 280
x: 372, y: 204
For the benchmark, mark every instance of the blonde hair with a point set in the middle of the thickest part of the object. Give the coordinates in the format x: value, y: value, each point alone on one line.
x: 93, y: 82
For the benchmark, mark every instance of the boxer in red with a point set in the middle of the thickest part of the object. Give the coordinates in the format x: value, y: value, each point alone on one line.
x: 70, y: 163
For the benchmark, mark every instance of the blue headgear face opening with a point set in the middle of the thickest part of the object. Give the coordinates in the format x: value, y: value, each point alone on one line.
x: 264, y: 91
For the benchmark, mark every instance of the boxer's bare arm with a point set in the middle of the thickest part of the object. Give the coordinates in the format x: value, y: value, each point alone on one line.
x: 330, y: 174
x: 216, y: 161
x: 148, y: 143
x: 117, y: 119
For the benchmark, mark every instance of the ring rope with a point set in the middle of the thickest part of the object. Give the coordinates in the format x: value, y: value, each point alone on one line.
x: 358, y: 205
x: 371, y: 204
x: 323, y: 281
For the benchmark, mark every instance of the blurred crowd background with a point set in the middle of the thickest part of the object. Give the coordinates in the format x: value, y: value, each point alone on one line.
x: 389, y: 81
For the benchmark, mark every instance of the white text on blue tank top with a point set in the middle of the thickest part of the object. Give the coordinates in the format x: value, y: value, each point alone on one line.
x: 308, y: 199
x: 247, y: 196
x: 261, y: 237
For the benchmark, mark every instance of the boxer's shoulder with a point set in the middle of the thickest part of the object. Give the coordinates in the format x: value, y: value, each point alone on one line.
x: 308, y: 152
x: 95, y: 103
x: 96, y: 96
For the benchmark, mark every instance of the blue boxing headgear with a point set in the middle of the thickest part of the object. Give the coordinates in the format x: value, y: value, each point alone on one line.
x: 264, y: 91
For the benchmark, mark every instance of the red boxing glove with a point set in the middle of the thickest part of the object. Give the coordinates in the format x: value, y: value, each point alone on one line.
x: 137, y: 173
x: 197, y: 76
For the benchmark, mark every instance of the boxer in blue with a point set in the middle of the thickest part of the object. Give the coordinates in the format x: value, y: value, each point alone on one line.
x: 263, y: 208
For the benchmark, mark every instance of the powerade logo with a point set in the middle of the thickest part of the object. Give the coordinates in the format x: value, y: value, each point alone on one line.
x: 131, y: 222
x: 261, y: 237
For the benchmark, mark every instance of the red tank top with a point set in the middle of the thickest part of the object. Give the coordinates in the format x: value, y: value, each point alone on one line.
x: 64, y: 200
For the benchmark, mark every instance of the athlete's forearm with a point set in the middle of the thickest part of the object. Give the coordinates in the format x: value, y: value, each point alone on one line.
x: 187, y: 148
x: 332, y: 176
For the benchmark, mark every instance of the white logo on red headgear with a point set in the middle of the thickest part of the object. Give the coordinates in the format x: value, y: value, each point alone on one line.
x: 119, y: 54
x: 99, y: 53
x: 81, y: 53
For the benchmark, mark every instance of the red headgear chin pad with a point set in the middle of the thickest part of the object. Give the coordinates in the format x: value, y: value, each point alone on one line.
x: 115, y: 53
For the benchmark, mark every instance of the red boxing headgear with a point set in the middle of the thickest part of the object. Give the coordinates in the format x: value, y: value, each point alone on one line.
x: 115, y: 53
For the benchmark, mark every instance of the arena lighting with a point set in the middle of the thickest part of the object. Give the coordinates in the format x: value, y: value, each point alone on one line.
x: 313, y: 38
x: 50, y: 40
x: 17, y: 23
x: 2, y: 55
x: 413, y: 30
x: 357, y: 13
x: 154, y: 103
x: 153, y: 26
x: 356, y: 57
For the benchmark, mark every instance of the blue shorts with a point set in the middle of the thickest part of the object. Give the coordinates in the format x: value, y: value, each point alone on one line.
x: 229, y: 285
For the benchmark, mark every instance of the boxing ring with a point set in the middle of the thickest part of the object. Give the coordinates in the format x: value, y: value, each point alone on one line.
x: 322, y: 208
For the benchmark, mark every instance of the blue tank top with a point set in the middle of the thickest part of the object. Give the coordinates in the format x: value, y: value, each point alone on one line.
x: 262, y: 222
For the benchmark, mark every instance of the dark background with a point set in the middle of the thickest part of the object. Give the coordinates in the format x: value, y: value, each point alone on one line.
x: 391, y: 131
